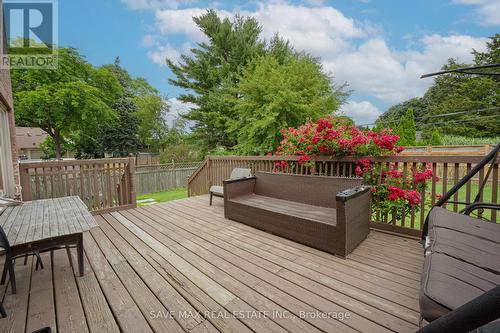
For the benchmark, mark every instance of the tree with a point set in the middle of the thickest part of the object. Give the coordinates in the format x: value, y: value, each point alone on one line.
x: 461, y: 94
x: 218, y: 79
x: 275, y: 95
x: 213, y: 70
x: 393, y: 115
x: 435, y: 138
x: 64, y: 100
x: 139, y: 119
x: 61, y: 101
x: 152, y: 130
x: 120, y: 138
x: 406, y: 129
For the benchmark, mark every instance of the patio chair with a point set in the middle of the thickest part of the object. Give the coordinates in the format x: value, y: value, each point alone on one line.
x: 237, y: 173
x: 9, y: 260
x: 462, y: 253
x: 4, y: 244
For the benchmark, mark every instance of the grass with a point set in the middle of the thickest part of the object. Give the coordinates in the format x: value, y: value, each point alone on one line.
x: 177, y: 193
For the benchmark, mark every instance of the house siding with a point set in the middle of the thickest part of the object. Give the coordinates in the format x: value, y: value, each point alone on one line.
x: 7, y: 100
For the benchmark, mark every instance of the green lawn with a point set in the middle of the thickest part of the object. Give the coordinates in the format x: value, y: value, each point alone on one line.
x: 174, y: 194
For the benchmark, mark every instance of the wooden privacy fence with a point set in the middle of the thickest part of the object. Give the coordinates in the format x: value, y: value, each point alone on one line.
x: 162, y: 177
x: 103, y: 185
x: 448, y: 169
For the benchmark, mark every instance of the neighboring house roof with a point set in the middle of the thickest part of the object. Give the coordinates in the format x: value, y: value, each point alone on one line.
x: 29, y: 137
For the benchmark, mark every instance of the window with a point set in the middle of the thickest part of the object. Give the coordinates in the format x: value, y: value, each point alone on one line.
x: 6, y: 167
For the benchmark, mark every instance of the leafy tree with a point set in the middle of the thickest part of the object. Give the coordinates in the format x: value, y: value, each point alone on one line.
x: 61, y: 101
x: 275, y: 95
x: 406, y: 129
x: 181, y: 152
x: 393, y: 115
x: 139, y: 113
x: 456, y: 92
x: 48, y: 148
x: 152, y: 130
x: 218, y: 77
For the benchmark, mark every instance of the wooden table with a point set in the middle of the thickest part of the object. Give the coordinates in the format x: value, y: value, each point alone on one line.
x: 42, y: 225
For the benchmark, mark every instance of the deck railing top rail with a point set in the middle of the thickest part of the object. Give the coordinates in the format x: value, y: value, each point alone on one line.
x: 102, y: 184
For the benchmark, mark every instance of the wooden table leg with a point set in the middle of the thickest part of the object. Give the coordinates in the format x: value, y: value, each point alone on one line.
x: 79, y: 250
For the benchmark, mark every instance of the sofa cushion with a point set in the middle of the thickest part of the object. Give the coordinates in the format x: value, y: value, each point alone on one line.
x: 475, y: 250
x: 296, y: 209
x: 448, y: 283
x: 215, y: 189
x: 443, y: 218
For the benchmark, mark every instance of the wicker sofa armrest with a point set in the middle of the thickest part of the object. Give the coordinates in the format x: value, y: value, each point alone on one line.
x: 236, y: 187
x: 353, y: 215
x: 352, y: 193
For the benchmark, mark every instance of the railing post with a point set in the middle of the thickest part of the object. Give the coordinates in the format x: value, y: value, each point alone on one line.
x: 209, y: 170
x: 24, y: 174
x: 131, y: 189
x: 312, y: 169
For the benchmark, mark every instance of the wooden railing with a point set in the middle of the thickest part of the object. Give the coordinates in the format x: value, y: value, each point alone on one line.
x: 103, y: 185
x: 456, y: 150
x: 448, y: 169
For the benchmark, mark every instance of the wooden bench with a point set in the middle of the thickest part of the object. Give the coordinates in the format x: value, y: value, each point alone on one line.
x: 328, y: 213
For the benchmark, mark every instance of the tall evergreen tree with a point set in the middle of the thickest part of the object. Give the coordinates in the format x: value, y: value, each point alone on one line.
x: 212, y: 70
x: 406, y: 129
x: 120, y: 137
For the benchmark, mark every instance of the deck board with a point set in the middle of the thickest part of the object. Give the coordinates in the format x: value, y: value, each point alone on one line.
x: 181, y: 267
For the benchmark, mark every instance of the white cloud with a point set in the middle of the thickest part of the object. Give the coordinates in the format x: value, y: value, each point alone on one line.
x: 162, y: 52
x: 354, y: 52
x: 319, y: 30
x: 361, y: 112
x: 487, y: 10
x: 180, y: 21
x: 155, y: 4
x: 177, y: 108
x: 392, y: 76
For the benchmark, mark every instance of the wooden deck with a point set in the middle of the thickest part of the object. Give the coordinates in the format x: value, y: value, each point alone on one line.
x: 180, y: 266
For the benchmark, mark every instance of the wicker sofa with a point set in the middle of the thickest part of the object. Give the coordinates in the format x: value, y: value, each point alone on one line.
x: 328, y: 213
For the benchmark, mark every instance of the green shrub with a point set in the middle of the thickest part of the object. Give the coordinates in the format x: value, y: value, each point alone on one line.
x: 435, y: 138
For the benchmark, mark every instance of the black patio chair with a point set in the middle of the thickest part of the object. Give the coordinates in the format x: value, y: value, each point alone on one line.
x: 3, y: 313
x: 9, y: 260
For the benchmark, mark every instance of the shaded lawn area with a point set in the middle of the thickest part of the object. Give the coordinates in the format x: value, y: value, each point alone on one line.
x: 177, y: 193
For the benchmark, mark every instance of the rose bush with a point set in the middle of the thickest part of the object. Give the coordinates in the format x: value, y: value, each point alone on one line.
x: 392, y: 189
x: 330, y: 136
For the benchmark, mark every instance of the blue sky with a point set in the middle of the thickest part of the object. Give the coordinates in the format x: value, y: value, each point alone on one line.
x: 379, y: 47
